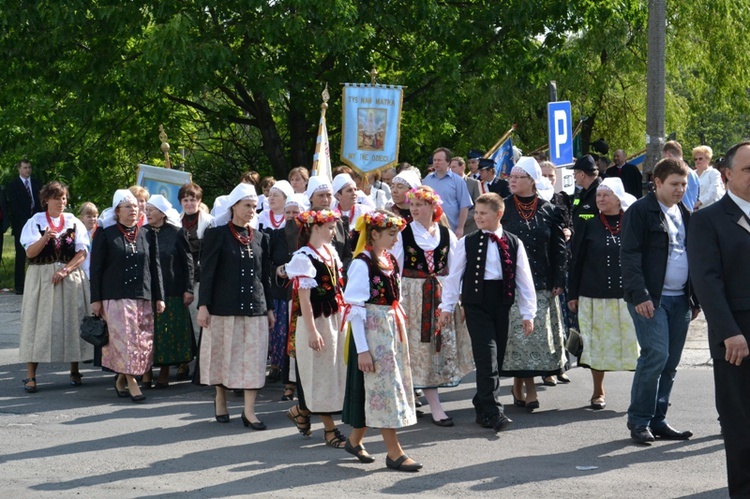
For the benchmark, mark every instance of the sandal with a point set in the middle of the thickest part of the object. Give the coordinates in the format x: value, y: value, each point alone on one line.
x: 338, y: 441
x: 288, y: 393
x: 301, y: 421
x: 27, y: 387
x: 75, y: 379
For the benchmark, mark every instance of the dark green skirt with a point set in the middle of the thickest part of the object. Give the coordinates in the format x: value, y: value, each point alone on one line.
x: 354, y: 398
x: 174, y: 343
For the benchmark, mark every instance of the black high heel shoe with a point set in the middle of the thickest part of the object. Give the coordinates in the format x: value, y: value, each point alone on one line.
x: 124, y: 393
x: 221, y: 418
x: 531, y: 406
x: 258, y: 426
x: 516, y: 401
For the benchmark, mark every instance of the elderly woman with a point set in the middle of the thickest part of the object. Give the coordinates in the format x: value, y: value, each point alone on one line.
x: 126, y: 286
x: 55, y: 298
x: 174, y: 344
x: 711, y: 185
x: 233, y: 305
x: 400, y: 186
x: 530, y: 216
x: 596, y: 290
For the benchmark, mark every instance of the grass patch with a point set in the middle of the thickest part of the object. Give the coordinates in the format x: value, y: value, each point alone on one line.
x: 8, y: 261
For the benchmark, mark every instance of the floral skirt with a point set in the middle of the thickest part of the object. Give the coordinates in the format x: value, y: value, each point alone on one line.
x: 388, y: 393
x: 277, y: 346
x: 51, y: 316
x: 442, y: 360
x: 173, y: 334
x: 131, y: 336
x: 233, y: 352
x: 608, y: 333
x: 542, y: 353
x: 322, y: 374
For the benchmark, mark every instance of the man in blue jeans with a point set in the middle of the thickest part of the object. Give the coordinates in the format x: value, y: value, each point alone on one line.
x: 656, y: 283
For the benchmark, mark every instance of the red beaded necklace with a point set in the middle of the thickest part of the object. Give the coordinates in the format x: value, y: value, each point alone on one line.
x: 56, y: 228
x: 244, y: 240
x: 130, y: 237
x: 612, y: 230
x: 526, y: 210
x: 189, y: 225
x: 327, y: 261
x: 388, y: 267
x: 274, y: 223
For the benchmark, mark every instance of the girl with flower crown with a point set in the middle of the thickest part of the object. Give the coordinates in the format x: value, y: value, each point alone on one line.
x: 379, y: 391
x: 440, y: 356
x: 316, y: 339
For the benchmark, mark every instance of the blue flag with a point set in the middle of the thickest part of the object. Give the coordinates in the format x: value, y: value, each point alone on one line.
x: 503, y: 158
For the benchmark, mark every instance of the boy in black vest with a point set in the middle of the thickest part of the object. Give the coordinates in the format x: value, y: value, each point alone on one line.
x: 487, y: 268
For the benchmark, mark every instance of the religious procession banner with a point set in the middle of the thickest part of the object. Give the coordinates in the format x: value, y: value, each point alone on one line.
x: 371, y: 129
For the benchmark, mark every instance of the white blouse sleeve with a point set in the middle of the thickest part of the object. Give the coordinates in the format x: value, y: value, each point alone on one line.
x: 31, y: 232
x: 357, y: 292
x: 83, y: 241
x: 398, y: 252
x: 525, y: 285
x: 302, y: 269
x: 456, y: 268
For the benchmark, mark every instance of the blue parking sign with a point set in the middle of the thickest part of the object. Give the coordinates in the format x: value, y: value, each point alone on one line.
x: 560, y: 122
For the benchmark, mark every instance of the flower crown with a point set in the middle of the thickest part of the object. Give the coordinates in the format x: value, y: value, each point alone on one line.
x: 312, y: 217
x: 377, y: 219
x: 424, y: 195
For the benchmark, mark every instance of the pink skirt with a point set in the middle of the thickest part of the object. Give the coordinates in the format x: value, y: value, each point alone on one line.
x: 131, y: 336
x: 234, y: 350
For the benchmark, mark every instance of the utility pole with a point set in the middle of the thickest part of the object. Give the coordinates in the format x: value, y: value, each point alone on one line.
x: 655, y: 83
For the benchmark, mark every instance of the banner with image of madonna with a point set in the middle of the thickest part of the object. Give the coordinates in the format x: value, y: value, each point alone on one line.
x: 371, y: 126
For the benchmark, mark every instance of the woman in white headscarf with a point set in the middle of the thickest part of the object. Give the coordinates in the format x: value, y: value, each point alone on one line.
x: 400, y: 185
x: 173, y: 330
x: 539, y: 224
x: 595, y: 290
x: 126, y: 286
x: 235, y: 305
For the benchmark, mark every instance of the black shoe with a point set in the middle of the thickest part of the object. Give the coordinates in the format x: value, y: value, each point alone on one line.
x: 563, y: 378
x: 448, y: 421
x: 500, y: 422
x: 549, y: 381
x: 124, y: 393
x: 258, y: 426
x: 19, y: 291
x: 29, y: 388
x: 532, y: 406
x: 666, y: 432
x: 399, y: 465
x: 516, y: 401
x: 138, y: 398
x: 221, y: 418
x: 359, y: 452
x: 642, y: 435
x: 598, y: 403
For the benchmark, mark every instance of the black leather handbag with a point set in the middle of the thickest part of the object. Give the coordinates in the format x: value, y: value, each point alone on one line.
x: 94, y: 330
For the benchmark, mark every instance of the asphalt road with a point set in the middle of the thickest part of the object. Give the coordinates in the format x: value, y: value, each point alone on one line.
x: 67, y: 441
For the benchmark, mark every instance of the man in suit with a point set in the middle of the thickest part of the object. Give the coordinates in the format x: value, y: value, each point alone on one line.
x: 489, y: 182
x: 472, y: 157
x: 23, y: 202
x: 630, y: 175
x: 718, y: 246
x: 458, y: 165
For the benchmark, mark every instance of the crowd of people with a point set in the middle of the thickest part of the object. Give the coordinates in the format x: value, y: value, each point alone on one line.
x: 363, y: 294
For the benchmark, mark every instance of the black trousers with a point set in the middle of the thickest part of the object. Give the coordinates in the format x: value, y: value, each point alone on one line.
x: 733, y: 403
x: 488, y: 329
x: 20, y: 269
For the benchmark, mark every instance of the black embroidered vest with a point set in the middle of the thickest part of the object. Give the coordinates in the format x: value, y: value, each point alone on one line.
x: 415, y: 258
x: 384, y: 289
x: 323, y: 297
x: 476, y: 258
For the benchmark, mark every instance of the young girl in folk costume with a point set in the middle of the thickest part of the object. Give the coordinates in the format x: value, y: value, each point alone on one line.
x: 439, y: 356
x: 316, y: 339
x: 379, y: 391
x: 345, y: 192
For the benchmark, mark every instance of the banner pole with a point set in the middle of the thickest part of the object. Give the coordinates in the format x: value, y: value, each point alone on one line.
x: 323, y: 108
x: 499, y: 142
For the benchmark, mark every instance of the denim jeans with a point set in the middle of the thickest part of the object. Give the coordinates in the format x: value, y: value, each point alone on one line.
x: 661, y: 339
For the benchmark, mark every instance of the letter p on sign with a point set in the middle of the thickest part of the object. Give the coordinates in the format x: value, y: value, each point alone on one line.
x: 560, y: 133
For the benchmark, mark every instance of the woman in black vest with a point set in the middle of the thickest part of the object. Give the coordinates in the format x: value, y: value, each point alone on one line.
x: 233, y: 305
x: 126, y: 288
x: 440, y: 356
x: 539, y: 225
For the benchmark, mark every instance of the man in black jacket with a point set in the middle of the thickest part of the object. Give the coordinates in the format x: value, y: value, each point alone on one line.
x: 656, y: 285
x: 23, y: 202
x: 718, y: 247
x: 489, y: 182
x: 586, y: 176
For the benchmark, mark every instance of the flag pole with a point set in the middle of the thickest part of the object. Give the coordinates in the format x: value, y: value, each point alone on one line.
x: 164, y: 146
x: 323, y: 108
x: 499, y: 142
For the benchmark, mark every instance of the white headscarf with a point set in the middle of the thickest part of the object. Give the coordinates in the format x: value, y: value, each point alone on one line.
x: 409, y: 178
x: 299, y: 200
x: 318, y: 183
x: 614, y: 185
x: 342, y: 180
x: 163, y: 205
x: 284, y: 187
x: 108, y: 217
x: 543, y: 186
x: 239, y: 193
x: 219, y: 204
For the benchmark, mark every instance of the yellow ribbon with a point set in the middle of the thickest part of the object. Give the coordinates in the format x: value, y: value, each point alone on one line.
x: 361, y: 227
